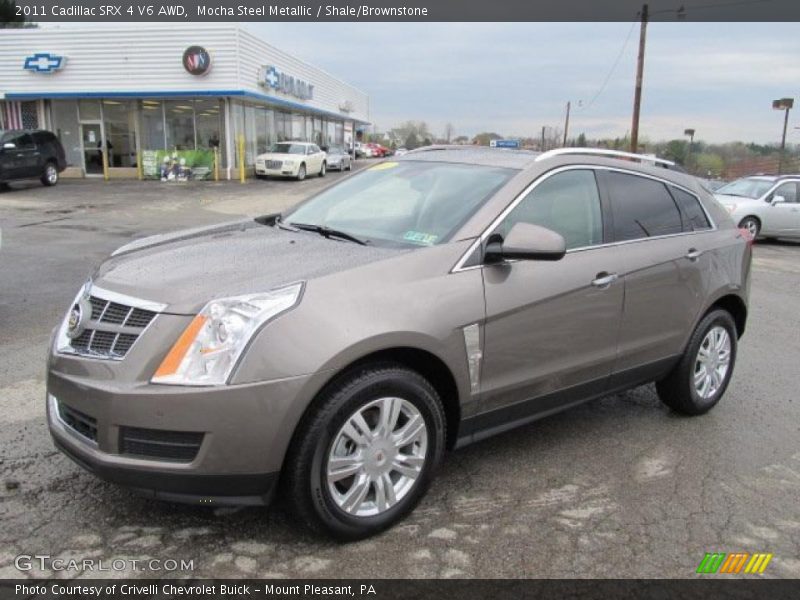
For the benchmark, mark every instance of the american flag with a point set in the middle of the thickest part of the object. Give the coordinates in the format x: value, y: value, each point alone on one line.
x: 11, y: 115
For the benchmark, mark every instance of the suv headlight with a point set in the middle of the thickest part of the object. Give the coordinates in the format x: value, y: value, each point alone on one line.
x: 209, y: 348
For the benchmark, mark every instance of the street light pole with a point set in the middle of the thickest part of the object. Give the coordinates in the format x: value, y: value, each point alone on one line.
x: 784, y: 104
x: 566, y: 125
x: 637, y: 95
x: 690, y: 133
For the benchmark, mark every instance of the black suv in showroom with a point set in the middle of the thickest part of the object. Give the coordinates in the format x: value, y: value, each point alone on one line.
x: 30, y: 154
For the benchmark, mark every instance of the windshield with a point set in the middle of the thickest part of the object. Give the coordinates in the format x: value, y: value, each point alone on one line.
x: 336, y: 150
x: 288, y: 148
x: 747, y: 187
x: 405, y: 203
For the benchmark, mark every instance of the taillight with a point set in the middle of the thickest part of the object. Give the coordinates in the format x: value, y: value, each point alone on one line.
x: 748, y: 237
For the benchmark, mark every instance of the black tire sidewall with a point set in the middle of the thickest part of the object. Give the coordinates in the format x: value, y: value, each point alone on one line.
x: 395, y: 383
x: 45, y: 179
x: 723, y: 319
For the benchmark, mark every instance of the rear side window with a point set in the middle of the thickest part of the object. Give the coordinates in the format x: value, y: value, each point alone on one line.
x: 695, y: 216
x: 43, y: 137
x: 641, y: 207
x: 22, y: 140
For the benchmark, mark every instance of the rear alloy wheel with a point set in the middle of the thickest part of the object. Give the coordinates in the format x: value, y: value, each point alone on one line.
x: 50, y: 175
x: 322, y: 170
x: 701, y: 377
x: 301, y: 173
x: 752, y: 225
x: 367, y: 454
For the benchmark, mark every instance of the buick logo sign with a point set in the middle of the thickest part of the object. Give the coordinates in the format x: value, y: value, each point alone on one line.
x: 196, y: 60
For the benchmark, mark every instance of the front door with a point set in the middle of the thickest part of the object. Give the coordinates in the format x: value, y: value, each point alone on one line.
x: 92, y: 147
x: 551, y: 327
x: 783, y: 218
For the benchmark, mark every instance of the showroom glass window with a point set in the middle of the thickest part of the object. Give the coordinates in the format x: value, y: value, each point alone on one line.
x: 568, y: 203
x: 179, y: 121
x: 642, y: 207
x: 119, y: 121
x: 151, y: 130
x: 208, y: 123
x: 64, y: 116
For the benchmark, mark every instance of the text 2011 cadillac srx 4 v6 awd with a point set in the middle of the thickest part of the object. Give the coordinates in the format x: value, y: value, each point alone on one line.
x: 334, y: 352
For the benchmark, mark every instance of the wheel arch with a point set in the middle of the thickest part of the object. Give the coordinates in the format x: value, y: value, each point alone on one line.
x: 735, y: 306
x: 424, y: 362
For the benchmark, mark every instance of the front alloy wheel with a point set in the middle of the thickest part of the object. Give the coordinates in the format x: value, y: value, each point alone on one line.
x: 377, y: 456
x: 366, y: 452
x: 322, y: 170
x: 301, y: 173
x: 712, y: 362
x: 752, y: 225
x: 50, y: 175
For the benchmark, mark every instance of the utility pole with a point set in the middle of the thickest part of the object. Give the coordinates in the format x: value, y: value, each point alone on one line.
x: 566, y: 125
x: 784, y: 104
x: 637, y: 96
x: 543, y: 148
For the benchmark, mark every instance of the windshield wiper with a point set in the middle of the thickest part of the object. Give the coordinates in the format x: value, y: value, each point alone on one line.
x: 329, y: 233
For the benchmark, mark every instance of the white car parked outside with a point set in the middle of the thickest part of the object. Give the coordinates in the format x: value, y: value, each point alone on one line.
x: 765, y: 205
x: 292, y: 159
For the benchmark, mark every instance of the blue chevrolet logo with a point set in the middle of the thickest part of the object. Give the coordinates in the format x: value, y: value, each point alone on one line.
x: 272, y: 77
x: 44, y: 62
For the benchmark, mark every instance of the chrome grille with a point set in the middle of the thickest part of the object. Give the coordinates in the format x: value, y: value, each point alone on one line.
x: 274, y: 164
x: 112, y: 329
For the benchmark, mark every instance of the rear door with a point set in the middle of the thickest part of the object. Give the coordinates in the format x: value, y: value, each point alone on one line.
x: 665, y: 255
x: 783, y: 218
x: 551, y: 327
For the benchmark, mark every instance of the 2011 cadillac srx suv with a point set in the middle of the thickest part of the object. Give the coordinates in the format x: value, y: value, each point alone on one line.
x: 337, y: 350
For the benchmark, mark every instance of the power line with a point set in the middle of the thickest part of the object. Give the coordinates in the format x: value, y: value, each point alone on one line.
x: 613, y: 67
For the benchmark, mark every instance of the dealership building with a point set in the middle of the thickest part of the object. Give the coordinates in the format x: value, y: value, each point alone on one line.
x: 144, y: 88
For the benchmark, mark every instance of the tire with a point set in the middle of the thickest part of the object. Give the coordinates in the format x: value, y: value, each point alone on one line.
x: 50, y: 175
x: 679, y: 389
x: 321, y: 505
x: 322, y: 169
x: 301, y: 172
x: 752, y: 224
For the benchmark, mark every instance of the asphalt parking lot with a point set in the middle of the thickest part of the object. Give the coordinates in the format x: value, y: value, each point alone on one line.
x: 620, y: 487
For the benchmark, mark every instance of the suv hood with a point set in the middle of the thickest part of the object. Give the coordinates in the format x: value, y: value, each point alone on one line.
x: 188, y: 268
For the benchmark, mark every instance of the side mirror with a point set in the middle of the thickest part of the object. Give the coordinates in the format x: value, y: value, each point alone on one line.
x: 778, y: 200
x: 527, y: 242
x: 9, y: 146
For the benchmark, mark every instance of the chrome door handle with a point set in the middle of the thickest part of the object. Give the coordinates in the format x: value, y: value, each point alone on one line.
x: 693, y: 254
x: 604, y: 279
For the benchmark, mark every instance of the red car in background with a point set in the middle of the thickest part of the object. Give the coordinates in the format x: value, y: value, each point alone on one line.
x: 378, y: 150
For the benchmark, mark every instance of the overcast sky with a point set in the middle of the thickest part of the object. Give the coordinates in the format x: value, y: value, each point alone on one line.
x: 513, y: 78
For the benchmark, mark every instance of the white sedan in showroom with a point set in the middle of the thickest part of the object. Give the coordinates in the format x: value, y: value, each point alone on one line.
x: 765, y: 205
x: 292, y: 159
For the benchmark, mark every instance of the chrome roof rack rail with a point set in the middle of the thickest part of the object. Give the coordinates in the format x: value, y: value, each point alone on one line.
x: 604, y: 152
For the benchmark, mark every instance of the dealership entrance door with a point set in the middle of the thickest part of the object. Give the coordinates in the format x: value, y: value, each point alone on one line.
x: 92, y: 143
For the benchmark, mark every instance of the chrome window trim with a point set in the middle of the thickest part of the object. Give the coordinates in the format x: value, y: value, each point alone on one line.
x: 459, y: 266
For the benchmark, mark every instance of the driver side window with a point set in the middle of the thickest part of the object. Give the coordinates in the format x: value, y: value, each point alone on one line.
x: 788, y: 191
x: 567, y: 203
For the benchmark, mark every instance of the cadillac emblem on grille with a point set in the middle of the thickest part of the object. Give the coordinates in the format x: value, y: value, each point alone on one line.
x: 78, y: 317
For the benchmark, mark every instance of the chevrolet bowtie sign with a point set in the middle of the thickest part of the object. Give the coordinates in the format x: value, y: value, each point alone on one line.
x: 272, y: 77
x: 44, y: 62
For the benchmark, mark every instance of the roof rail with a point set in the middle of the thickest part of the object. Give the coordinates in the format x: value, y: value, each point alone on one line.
x: 604, y: 152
